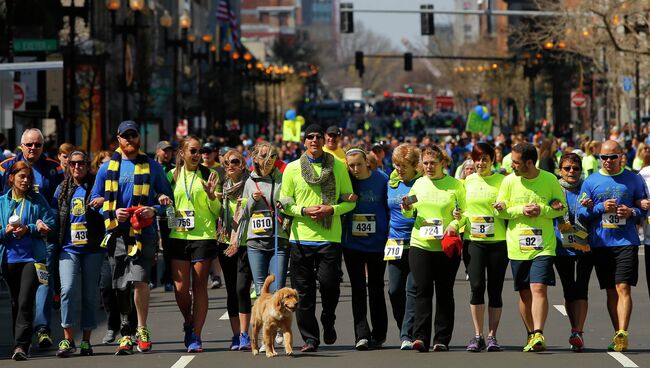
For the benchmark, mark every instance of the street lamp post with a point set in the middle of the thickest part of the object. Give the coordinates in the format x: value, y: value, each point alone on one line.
x: 185, y: 23
x: 125, y: 30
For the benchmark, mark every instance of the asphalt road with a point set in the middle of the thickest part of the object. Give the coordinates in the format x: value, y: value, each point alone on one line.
x: 165, y: 323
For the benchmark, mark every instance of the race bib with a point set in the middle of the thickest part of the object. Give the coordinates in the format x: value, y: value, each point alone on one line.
x: 612, y: 221
x: 531, y: 239
x: 184, y: 220
x: 363, y: 224
x: 431, y: 229
x: 261, y: 222
x: 41, y: 273
x: 394, y: 249
x: 482, y: 226
x: 79, y: 233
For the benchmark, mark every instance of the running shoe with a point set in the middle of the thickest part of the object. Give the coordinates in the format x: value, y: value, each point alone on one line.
x: 476, y: 344
x: 537, y: 343
x: 85, y: 349
x: 109, y: 337
x: 126, y: 346
x: 406, y: 345
x: 420, y: 346
x: 620, y: 341
x: 492, y: 344
x: 377, y: 344
x: 44, y: 339
x: 189, y: 331
x: 529, y: 340
x: 362, y: 344
x: 234, y: 344
x: 195, y: 345
x: 576, y: 341
x: 440, y: 347
x: 66, y: 349
x: 329, y: 335
x: 19, y: 355
x: 144, y: 340
x: 244, y: 341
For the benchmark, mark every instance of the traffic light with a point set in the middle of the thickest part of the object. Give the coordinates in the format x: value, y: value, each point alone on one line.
x: 408, y: 61
x: 358, y: 63
x: 426, y: 21
x: 408, y: 88
x: 347, y: 18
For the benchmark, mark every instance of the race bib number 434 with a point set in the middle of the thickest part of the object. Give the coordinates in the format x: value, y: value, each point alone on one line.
x: 363, y: 224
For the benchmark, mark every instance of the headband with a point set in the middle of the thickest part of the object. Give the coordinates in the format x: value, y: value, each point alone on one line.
x: 356, y: 150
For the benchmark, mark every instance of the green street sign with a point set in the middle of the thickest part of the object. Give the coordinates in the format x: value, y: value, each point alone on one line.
x: 35, y: 44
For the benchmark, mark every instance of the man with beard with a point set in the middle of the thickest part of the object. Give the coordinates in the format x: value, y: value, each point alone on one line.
x: 48, y: 174
x: 311, y: 188
x: 530, y: 200
x: 610, y: 201
x: 132, y: 189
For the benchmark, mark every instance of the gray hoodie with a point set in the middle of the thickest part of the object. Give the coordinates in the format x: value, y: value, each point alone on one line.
x: 256, y: 218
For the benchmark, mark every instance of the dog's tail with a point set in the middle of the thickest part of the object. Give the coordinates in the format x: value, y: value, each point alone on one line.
x: 267, y: 284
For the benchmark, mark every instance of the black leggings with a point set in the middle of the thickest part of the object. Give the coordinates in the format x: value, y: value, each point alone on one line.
x: 22, y: 282
x: 575, y: 272
x: 238, y: 278
x: 493, y: 258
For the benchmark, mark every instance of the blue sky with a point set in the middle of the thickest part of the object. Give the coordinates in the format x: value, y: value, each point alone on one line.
x: 398, y: 26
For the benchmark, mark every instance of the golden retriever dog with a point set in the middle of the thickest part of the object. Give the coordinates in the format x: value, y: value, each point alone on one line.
x: 270, y: 313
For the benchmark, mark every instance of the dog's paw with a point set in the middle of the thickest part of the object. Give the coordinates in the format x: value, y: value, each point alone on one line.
x: 271, y: 354
x: 289, y: 353
x: 255, y: 351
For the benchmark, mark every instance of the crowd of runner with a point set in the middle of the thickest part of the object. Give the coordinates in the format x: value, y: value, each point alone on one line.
x: 82, y: 227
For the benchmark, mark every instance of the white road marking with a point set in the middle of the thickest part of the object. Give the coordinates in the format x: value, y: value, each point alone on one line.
x: 561, y: 309
x: 186, y: 359
x: 224, y: 317
x: 625, y: 361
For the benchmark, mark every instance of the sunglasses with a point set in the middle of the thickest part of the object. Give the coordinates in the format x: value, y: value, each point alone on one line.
x: 569, y: 168
x: 234, y: 161
x: 311, y: 137
x: 34, y: 145
x: 77, y: 163
x: 610, y: 157
x: 130, y: 135
x: 194, y: 151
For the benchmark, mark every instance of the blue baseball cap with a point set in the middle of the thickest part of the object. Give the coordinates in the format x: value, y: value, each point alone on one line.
x: 128, y: 125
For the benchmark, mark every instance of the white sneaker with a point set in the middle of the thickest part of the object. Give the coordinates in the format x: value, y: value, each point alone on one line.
x: 262, y: 348
x: 279, y: 338
x: 406, y: 345
x: 362, y: 344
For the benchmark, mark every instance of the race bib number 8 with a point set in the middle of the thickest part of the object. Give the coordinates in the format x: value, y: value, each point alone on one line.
x: 261, y: 222
x: 612, y: 221
x: 531, y: 239
x: 431, y: 229
x: 482, y: 227
x: 184, y: 220
x: 363, y: 224
x: 79, y: 233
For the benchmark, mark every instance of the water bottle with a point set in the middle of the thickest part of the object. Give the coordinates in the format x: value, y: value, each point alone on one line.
x: 171, y: 216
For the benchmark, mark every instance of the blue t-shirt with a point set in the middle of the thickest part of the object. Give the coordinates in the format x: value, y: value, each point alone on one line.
x: 626, y: 187
x: 20, y: 250
x: 573, y: 202
x: 366, y: 227
x: 400, y: 227
x: 158, y: 185
x: 77, y: 224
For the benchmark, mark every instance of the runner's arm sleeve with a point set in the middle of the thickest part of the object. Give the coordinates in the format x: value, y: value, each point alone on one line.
x: 585, y: 215
x: 639, y: 193
x: 504, y: 195
x: 343, y: 178
x: 460, y: 199
x: 287, y: 194
x: 548, y: 211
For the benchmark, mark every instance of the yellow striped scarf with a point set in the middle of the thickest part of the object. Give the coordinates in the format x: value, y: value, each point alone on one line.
x: 141, y: 179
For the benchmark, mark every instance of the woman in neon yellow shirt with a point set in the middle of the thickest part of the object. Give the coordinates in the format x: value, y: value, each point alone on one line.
x: 437, y: 196
x: 485, y: 236
x: 193, y: 238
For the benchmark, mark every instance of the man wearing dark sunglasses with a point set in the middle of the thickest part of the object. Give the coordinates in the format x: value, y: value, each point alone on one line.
x: 610, y: 204
x: 311, y: 188
x: 48, y: 174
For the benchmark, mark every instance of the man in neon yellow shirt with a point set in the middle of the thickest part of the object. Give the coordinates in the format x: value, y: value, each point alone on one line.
x: 332, y: 138
x: 531, y: 199
x: 311, y: 188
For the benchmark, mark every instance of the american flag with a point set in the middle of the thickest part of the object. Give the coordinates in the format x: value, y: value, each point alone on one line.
x: 226, y: 16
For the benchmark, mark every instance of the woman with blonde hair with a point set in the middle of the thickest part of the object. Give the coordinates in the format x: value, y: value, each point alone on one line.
x: 401, y: 289
x: 437, y: 196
